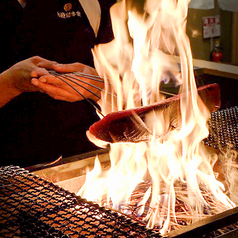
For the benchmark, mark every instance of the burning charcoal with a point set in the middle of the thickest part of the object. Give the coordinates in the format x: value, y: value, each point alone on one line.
x: 131, y: 125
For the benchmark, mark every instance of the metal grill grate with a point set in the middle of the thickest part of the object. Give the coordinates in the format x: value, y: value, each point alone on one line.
x: 223, y: 128
x: 33, y: 207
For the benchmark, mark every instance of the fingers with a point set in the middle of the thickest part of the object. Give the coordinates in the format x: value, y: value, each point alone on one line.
x: 56, y: 92
x: 39, y: 66
x: 46, y: 64
x: 42, y: 63
x: 38, y: 72
x: 58, y: 89
x: 84, y: 86
x: 53, y: 81
x: 74, y: 67
x: 67, y: 68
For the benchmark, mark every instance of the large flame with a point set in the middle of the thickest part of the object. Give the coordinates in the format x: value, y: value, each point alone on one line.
x: 151, y: 46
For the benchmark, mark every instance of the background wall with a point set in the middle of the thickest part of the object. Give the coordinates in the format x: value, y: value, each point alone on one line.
x: 200, y: 46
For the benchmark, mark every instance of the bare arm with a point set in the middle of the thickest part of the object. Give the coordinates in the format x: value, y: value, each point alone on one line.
x: 17, y: 79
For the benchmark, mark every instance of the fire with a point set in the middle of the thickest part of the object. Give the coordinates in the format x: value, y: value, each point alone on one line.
x: 151, y: 46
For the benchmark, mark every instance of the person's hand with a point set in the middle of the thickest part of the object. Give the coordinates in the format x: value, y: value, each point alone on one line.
x: 60, y: 90
x: 17, y: 79
x: 20, y: 74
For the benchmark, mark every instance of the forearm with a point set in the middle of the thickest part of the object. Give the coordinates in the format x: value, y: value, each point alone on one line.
x: 7, y: 90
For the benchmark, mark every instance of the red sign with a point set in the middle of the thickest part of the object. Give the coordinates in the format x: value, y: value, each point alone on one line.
x: 211, y: 26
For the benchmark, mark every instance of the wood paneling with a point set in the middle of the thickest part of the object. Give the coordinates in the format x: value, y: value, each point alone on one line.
x: 234, y: 39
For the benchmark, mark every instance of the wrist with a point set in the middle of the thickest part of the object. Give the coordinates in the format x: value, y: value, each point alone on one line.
x: 7, y: 89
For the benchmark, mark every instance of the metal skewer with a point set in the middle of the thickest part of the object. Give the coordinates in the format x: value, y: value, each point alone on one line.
x: 100, y: 79
x: 89, y: 76
x: 69, y: 77
x: 61, y: 77
x: 64, y: 77
x: 83, y: 75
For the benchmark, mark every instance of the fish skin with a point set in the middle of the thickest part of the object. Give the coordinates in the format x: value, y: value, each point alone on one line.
x: 122, y: 126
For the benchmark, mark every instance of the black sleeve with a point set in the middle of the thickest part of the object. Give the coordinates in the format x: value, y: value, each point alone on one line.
x: 11, y: 14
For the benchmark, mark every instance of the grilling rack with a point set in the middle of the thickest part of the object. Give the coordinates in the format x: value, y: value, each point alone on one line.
x: 33, y: 207
x: 223, y: 129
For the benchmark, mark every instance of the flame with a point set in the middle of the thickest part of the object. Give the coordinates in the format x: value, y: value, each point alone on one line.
x: 151, y: 46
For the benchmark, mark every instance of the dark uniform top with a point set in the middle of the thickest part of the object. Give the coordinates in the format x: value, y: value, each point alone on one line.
x: 56, y: 30
x: 10, y: 17
x: 35, y: 128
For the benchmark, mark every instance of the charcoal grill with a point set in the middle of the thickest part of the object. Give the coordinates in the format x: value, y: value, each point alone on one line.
x: 31, y: 206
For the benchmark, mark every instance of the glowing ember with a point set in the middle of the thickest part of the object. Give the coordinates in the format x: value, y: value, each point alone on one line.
x: 151, y: 46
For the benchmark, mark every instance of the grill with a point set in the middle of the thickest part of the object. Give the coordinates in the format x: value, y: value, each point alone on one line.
x: 223, y: 128
x: 31, y: 206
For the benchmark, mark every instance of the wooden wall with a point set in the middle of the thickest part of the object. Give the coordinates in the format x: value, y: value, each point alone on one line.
x: 234, y: 39
x: 200, y: 46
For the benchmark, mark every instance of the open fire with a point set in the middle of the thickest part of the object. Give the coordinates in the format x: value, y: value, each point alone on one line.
x: 165, y: 181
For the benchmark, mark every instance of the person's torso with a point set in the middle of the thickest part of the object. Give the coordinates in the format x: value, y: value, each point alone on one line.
x: 60, y: 30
